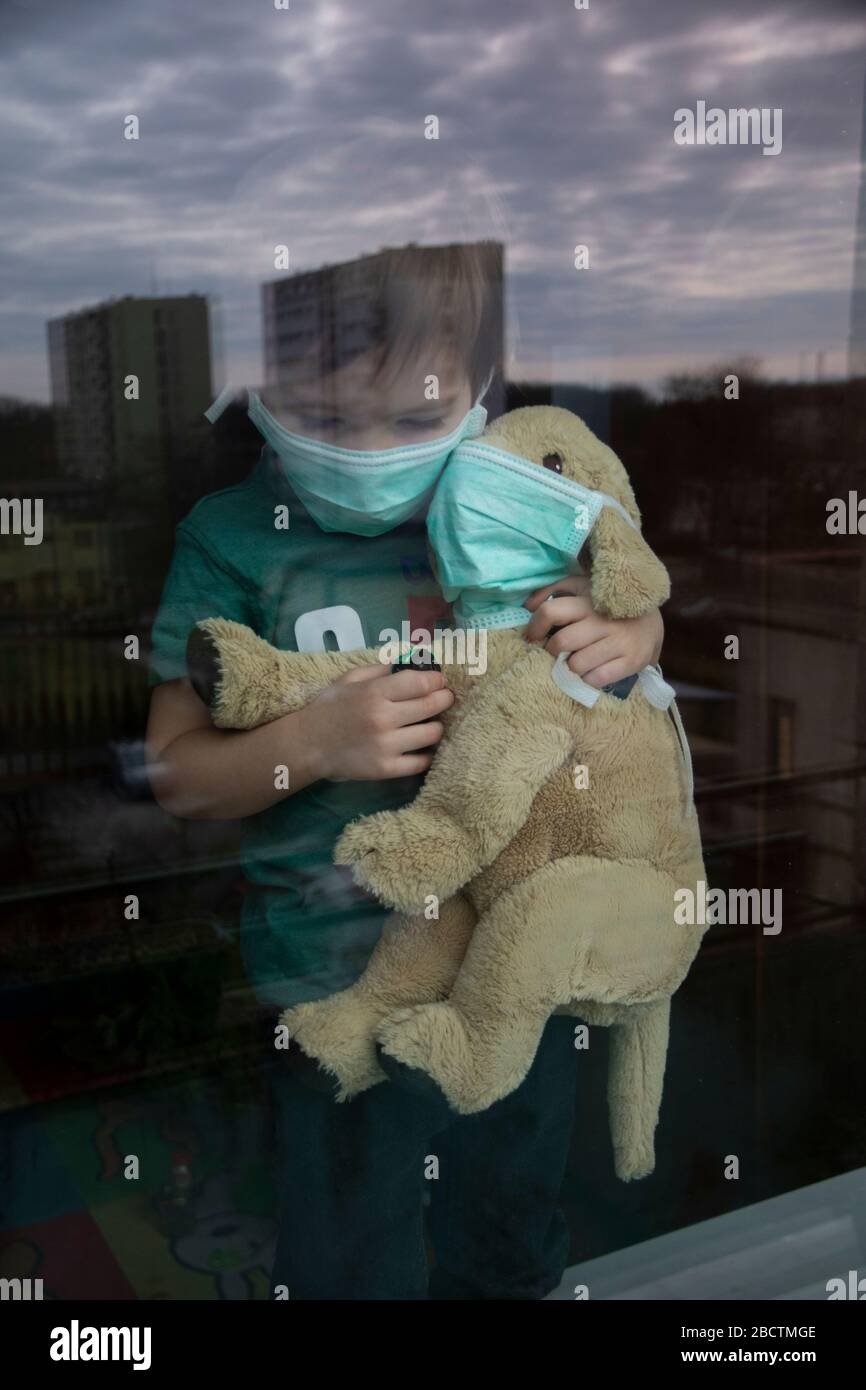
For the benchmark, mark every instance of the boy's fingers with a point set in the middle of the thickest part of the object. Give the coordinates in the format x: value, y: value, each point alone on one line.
x: 572, y: 583
x: 409, y: 765
x: 365, y: 673
x: 608, y: 673
x: 580, y: 637
x: 556, y: 613
x: 426, y: 707
x: 412, y: 685
x: 414, y: 736
x: 598, y: 655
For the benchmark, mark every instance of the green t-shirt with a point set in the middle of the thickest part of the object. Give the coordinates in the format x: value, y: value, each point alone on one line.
x: 306, y: 928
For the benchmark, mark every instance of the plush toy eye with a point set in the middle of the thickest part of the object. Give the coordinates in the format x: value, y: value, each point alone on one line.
x: 553, y: 462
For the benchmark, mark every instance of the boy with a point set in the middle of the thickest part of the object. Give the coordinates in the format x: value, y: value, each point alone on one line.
x: 353, y: 447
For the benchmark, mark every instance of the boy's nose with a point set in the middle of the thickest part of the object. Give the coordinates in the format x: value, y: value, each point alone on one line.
x: 371, y: 439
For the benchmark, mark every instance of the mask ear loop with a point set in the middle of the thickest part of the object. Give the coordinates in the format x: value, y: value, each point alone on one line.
x: 687, y: 759
x: 663, y: 696
x: 477, y: 411
x: 655, y: 690
x: 486, y: 386
x: 477, y: 416
x: 572, y: 684
x: 224, y: 399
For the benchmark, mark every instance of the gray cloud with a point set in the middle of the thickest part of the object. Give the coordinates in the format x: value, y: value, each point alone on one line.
x: 260, y: 126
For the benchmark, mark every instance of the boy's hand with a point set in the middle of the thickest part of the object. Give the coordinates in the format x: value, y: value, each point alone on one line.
x: 602, y: 649
x: 368, y: 726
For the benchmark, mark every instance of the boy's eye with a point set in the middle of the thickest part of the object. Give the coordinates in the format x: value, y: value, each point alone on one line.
x: 411, y: 424
x: 319, y: 422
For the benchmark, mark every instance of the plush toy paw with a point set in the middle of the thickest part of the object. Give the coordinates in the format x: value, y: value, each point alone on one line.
x: 434, y: 1040
x: 306, y: 1070
x: 473, y: 1064
x: 337, y: 1038
x: 405, y: 857
x: 411, y: 1079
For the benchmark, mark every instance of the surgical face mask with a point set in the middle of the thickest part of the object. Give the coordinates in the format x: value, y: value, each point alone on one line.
x: 363, y: 492
x: 501, y: 527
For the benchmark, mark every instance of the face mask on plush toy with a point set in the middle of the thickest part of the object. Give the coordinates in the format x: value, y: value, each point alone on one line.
x: 501, y: 527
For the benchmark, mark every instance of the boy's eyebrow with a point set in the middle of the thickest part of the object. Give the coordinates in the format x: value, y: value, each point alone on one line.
x: 286, y: 398
x: 429, y: 406
x: 311, y: 404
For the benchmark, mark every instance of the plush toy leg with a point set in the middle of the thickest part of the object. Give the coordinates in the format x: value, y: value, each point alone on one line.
x: 579, y: 928
x: 247, y: 682
x: 479, y: 1044
x: 414, y: 959
x: 636, y: 1071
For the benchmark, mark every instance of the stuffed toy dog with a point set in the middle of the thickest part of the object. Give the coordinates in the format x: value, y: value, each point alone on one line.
x: 556, y: 822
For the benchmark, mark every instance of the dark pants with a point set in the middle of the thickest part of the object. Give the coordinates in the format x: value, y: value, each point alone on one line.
x: 352, y: 1178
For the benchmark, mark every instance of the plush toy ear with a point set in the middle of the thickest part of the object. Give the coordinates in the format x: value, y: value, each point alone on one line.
x: 628, y: 579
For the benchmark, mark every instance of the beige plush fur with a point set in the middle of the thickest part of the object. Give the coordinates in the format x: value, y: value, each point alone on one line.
x: 552, y: 898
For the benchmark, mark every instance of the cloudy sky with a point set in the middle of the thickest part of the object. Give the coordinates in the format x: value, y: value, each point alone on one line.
x: 260, y: 126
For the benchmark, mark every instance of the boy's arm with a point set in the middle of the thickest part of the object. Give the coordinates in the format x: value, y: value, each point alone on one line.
x: 369, y: 725
x: 200, y: 772
x: 358, y: 729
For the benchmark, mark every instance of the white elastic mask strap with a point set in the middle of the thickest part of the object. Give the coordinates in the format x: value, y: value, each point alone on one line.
x: 687, y: 759
x: 618, y: 507
x: 663, y: 696
x: 655, y: 688
x: 572, y: 684
x: 485, y: 387
x: 225, y: 397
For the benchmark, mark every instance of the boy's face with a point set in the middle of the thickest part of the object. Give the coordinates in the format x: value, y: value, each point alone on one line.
x: 353, y: 410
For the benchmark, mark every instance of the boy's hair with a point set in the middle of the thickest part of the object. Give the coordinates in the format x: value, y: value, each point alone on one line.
x: 405, y: 303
